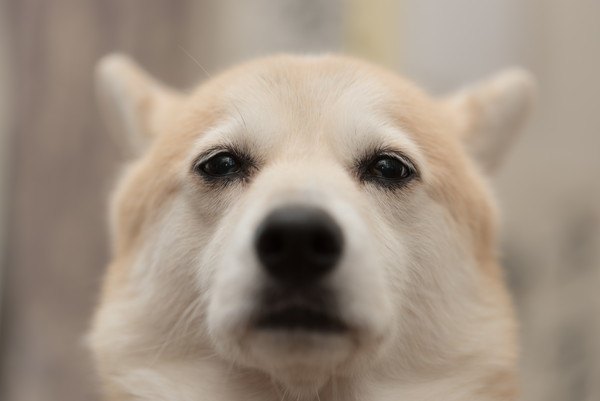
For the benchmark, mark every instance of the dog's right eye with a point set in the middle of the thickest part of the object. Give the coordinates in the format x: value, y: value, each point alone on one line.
x: 223, y: 164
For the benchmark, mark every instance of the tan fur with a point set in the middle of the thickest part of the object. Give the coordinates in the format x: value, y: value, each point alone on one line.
x: 477, y: 365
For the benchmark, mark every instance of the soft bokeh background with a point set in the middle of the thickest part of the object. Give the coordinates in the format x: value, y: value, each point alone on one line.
x: 57, y: 163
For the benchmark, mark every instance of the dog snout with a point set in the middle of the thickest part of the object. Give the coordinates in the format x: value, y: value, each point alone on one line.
x: 298, y: 245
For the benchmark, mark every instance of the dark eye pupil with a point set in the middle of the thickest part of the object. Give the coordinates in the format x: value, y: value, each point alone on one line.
x: 390, y: 168
x: 220, y: 165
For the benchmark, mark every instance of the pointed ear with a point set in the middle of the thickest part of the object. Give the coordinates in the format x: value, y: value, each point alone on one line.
x: 492, y: 112
x: 136, y: 105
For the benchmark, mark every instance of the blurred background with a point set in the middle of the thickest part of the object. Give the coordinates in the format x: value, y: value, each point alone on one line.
x: 57, y: 163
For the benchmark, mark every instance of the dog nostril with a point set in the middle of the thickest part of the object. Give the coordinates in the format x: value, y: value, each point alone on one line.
x: 298, y: 244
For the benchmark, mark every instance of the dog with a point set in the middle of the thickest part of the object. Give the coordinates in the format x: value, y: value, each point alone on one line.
x: 306, y: 228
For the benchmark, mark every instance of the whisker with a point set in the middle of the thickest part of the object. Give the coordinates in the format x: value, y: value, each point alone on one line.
x: 241, y: 116
x: 195, y: 60
x: 186, y: 316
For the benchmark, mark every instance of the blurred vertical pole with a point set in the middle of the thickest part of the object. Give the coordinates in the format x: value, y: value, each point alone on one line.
x: 371, y: 30
x: 5, y: 123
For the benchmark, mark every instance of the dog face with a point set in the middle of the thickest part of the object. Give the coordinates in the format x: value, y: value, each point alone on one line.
x: 303, y: 217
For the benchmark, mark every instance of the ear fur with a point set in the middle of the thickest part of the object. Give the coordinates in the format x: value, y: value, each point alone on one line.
x: 136, y: 105
x: 492, y: 112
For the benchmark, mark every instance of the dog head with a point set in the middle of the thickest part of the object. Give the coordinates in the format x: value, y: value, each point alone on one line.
x: 304, y: 217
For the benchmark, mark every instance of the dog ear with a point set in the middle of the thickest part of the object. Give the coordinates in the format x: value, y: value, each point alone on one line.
x: 136, y: 105
x: 492, y: 112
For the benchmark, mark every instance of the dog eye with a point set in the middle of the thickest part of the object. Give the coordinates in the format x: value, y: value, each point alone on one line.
x: 220, y: 165
x: 389, y: 168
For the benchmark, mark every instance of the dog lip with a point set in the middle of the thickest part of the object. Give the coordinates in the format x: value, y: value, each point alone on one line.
x: 301, y: 318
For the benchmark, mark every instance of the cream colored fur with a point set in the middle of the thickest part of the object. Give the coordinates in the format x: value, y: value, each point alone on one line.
x: 419, y: 281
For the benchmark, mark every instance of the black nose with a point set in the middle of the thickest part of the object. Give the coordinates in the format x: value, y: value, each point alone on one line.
x: 298, y: 245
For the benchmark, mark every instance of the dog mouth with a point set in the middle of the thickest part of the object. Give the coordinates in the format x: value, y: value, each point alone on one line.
x: 306, y: 311
x: 301, y: 318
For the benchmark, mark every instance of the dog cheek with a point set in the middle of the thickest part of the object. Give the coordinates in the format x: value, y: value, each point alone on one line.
x: 364, y: 280
x: 230, y: 279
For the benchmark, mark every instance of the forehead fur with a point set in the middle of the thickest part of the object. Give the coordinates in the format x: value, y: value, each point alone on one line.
x: 287, y: 102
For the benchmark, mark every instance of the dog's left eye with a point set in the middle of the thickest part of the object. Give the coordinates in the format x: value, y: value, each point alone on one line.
x: 220, y: 165
x: 390, y: 169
